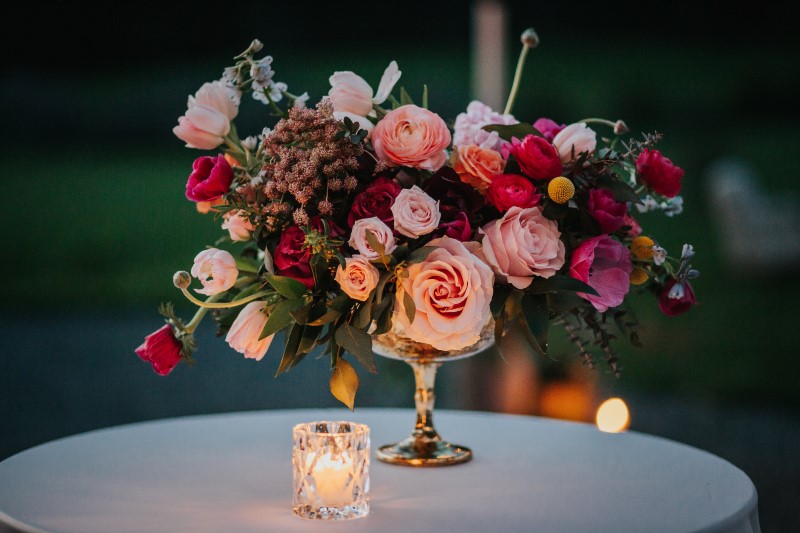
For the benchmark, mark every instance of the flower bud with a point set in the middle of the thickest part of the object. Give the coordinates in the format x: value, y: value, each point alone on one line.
x: 529, y: 38
x: 620, y: 127
x: 181, y: 279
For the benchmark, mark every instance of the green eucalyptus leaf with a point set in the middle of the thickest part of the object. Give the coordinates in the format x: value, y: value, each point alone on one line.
x: 308, y: 340
x: 383, y: 321
x: 563, y: 301
x: 499, y: 297
x: 420, y: 254
x: 506, y: 132
x: 559, y: 282
x: 327, y: 318
x: 290, y: 352
x: 358, y: 343
x: 622, y: 191
x: 280, y: 316
x: 363, y: 317
x: 341, y: 303
x: 375, y: 244
x: 286, y: 286
x: 537, y: 316
x: 382, y: 281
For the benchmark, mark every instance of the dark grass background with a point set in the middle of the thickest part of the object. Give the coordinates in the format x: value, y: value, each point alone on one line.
x: 96, y: 223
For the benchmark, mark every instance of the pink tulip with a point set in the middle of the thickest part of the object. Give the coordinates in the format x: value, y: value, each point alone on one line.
x: 216, y: 270
x: 208, y: 116
x: 245, y: 330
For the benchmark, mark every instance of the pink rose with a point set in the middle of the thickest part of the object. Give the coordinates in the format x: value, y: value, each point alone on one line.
x: 216, y: 270
x: 680, y: 303
x: 523, y: 244
x: 537, y: 158
x: 211, y: 177
x: 477, y: 166
x: 451, y: 289
x: 357, y: 278
x: 375, y: 201
x: 459, y: 228
x: 238, y: 225
x: 512, y: 190
x: 415, y: 213
x: 575, y: 139
x: 605, y: 265
x: 469, y: 127
x: 606, y: 210
x: 382, y: 232
x: 292, y: 257
x: 246, y: 329
x: 161, y: 349
x: 413, y: 137
x: 208, y: 118
x: 548, y: 128
x: 659, y: 173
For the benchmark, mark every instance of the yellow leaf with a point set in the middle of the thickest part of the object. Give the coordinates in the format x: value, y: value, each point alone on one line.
x: 344, y: 383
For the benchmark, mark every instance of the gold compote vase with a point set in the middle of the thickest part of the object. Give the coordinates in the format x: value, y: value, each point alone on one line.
x: 424, y: 447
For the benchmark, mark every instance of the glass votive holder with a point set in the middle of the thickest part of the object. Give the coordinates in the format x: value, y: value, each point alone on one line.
x: 331, y: 470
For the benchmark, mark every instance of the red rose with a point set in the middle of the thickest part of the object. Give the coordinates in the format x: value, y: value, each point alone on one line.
x: 375, y: 201
x: 679, y: 305
x: 161, y: 349
x: 292, y: 258
x: 659, y: 173
x: 606, y: 210
x: 512, y: 190
x: 211, y: 177
x: 537, y: 158
x: 548, y: 128
x: 458, y: 228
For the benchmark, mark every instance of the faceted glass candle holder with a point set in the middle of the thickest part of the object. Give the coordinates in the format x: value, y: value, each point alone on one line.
x: 331, y: 470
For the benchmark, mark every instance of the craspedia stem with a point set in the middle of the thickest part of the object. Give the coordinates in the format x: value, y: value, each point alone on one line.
x: 529, y: 40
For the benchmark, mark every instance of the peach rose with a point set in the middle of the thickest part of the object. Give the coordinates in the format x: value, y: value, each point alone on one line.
x: 575, y: 138
x: 357, y: 278
x: 216, y: 270
x: 238, y: 225
x: 382, y: 232
x: 413, y: 137
x: 415, y: 213
x: 451, y: 290
x: 246, y: 329
x: 208, y: 116
x: 521, y: 245
x: 477, y: 166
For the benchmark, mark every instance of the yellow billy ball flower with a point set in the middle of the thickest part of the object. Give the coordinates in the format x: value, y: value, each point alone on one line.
x: 642, y: 248
x: 560, y: 190
x: 638, y: 276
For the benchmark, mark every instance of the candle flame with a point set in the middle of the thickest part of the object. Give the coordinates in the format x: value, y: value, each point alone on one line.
x: 613, y: 416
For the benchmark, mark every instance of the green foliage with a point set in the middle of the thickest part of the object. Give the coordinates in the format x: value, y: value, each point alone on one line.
x: 507, y: 132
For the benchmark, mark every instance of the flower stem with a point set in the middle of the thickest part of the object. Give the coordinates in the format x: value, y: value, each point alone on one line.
x: 198, y: 316
x: 517, y: 79
x: 598, y: 121
x: 209, y: 304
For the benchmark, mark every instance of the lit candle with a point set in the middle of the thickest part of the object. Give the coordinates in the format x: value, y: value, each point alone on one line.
x: 332, y: 478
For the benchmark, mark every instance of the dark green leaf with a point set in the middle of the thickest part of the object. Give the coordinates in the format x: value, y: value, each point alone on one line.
x: 327, y: 318
x: 499, y: 297
x: 411, y: 309
x: 290, y: 352
x: 563, y: 301
x: 537, y: 316
x: 300, y: 316
x: 385, y: 277
x: 245, y: 264
x: 384, y: 318
x: 341, y: 303
x: 622, y: 191
x: 358, y: 343
x: 420, y: 254
x: 286, y: 286
x: 405, y: 98
x: 559, y: 282
x: 401, y: 252
x: 520, y: 131
x: 319, y: 268
x: 363, y: 317
x: 280, y: 316
x: 309, y: 340
x: 425, y: 96
x: 534, y: 343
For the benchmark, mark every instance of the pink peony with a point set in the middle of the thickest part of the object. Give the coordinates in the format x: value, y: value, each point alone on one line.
x: 211, y: 177
x: 216, y: 270
x: 548, y: 128
x: 357, y: 278
x: 161, y: 349
x: 375, y: 201
x: 606, y: 210
x: 413, y: 137
x: 238, y: 225
x: 605, y: 265
x: 415, y: 213
x: 208, y: 118
x: 675, y: 306
x: 382, y: 232
x: 451, y: 289
x: 246, y: 329
x: 477, y: 166
x: 575, y: 139
x: 468, y: 127
x: 659, y: 173
x: 523, y: 244
x: 537, y: 158
x: 512, y: 190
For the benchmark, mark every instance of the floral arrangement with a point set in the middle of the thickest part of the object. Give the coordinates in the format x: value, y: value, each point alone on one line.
x: 366, y: 214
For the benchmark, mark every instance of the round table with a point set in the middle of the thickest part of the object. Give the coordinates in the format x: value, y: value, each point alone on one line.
x: 233, y: 472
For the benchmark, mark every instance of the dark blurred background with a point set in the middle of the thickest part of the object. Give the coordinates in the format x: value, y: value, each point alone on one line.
x: 96, y: 221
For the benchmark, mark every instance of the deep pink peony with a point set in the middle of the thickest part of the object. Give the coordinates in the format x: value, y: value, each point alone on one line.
x: 659, y: 173
x: 292, y: 258
x: 548, y: 128
x: 375, y: 201
x: 512, y: 190
x: 537, y: 158
x: 676, y: 306
x: 605, y: 265
x: 606, y: 210
x: 161, y: 349
x: 211, y: 177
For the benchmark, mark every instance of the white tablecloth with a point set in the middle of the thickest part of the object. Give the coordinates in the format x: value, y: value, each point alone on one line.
x: 232, y: 473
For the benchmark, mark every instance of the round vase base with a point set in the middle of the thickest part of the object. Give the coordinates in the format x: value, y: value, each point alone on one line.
x: 423, y: 452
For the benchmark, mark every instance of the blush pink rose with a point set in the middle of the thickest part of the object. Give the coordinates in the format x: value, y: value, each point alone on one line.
x: 415, y: 213
x: 609, y: 213
x: 208, y: 116
x: 161, y: 349
x: 451, y: 289
x: 382, y: 232
x: 413, y: 137
x: 575, y: 139
x: 537, y: 158
x: 211, y: 177
x: 523, y: 244
x: 512, y: 190
x: 238, y: 225
x: 357, y: 278
x: 605, y: 265
x: 216, y: 270
x: 548, y: 128
x: 659, y: 173
x: 477, y: 166
x: 246, y: 329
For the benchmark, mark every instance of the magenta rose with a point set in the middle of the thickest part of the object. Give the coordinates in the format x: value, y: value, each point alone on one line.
x: 605, y: 265
x: 677, y: 303
x: 375, y: 201
x: 512, y: 190
x: 292, y: 258
x: 211, y: 177
x: 606, y: 210
x: 161, y: 349
x: 548, y: 128
x: 659, y: 173
x: 537, y: 158
x: 459, y: 228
